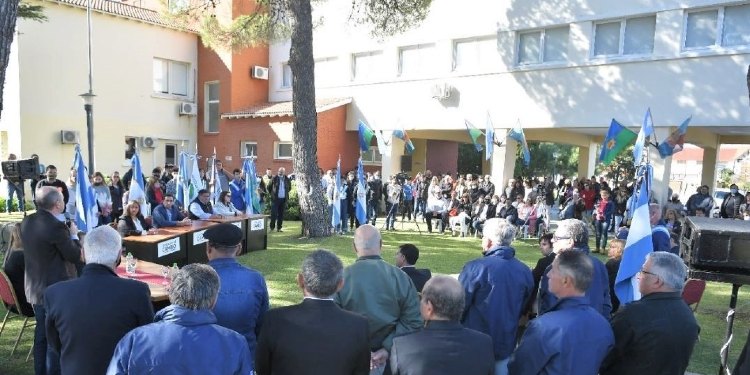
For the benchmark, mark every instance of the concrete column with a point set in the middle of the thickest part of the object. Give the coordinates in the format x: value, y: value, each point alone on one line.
x: 662, y: 168
x: 708, y: 172
x: 392, y: 161
x: 587, y: 160
x: 503, y: 162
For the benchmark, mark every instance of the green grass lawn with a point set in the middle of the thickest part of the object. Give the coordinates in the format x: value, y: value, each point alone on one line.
x: 443, y: 255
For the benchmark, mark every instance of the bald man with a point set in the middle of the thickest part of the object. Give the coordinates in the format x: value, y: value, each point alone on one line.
x: 381, y: 292
x: 444, y: 346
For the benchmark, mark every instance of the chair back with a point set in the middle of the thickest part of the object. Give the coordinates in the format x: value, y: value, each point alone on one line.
x: 693, y: 292
x: 7, y: 294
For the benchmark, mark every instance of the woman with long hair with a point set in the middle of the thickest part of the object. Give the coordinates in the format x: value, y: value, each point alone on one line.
x: 14, y: 267
x: 116, y: 192
x: 154, y: 193
x: 132, y: 222
x: 103, y: 198
x: 224, y: 205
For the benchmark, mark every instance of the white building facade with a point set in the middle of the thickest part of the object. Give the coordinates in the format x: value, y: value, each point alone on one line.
x: 143, y: 71
x: 562, y: 69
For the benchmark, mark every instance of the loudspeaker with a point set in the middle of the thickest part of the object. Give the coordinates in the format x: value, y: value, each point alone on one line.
x: 717, y: 247
x: 26, y: 169
x: 406, y: 163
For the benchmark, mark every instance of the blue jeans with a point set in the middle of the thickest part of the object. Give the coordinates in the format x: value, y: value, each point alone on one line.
x: 46, y: 360
x: 18, y: 190
x: 601, y: 233
x: 344, y: 209
x: 391, y: 217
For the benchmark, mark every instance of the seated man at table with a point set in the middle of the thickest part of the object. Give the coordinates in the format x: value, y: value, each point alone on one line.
x: 168, y: 215
x: 200, y: 208
x: 115, y: 304
x: 184, y: 338
x: 243, y: 296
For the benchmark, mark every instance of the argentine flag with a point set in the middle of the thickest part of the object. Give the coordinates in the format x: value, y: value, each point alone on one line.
x: 646, y: 130
x: 137, y: 187
x: 336, y: 201
x: 196, y: 183
x: 361, y: 198
x: 181, y: 184
x: 637, y: 247
x: 86, y: 207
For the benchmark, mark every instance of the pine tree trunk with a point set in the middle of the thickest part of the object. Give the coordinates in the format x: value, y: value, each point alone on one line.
x: 8, y: 15
x: 314, y: 210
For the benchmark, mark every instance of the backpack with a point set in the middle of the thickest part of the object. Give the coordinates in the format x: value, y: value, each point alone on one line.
x: 407, y: 190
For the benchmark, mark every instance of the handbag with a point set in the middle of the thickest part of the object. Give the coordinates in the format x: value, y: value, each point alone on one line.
x: 453, y: 212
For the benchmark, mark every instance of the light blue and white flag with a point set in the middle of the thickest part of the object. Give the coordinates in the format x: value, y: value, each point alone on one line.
x: 336, y: 201
x: 137, y: 186
x: 215, y: 184
x: 252, y: 202
x: 86, y: 208
x: 196, y: 182
x: 489, y: 137
x: 638, y: 244
x: 183, y: 182
x: 360, y: 204
x: 646, y: 130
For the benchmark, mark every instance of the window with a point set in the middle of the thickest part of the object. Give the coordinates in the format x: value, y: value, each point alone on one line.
x: 476, y: 54
x: 282, y: 150
x: 286, y: 76
x: 367, y: 66
x: 326, y: 71
x: 634, y: 36
x: 372, y: 156
x: 543, y: 46
x: 249, y: 149
x: 211, y: 120
x: 725, y: 26
x: 129, y: 147
x: 171, y: 77
x: 170, y: 153
x: 416, y: 60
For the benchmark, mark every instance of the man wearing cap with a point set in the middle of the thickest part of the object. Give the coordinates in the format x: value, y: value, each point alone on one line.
x: 243, y: 295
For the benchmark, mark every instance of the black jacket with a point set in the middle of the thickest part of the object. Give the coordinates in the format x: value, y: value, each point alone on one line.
x: 314, y: 337
x: 50, y: 253
x: 14, y: 268
x: 418, y: 276
x: 126, y: 226
x: 654, y: 335
x: 88, y: 316
x: 442, y: 347
x: 275, y: 187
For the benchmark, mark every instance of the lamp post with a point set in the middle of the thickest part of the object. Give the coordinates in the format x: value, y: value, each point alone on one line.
x: 88, y: 105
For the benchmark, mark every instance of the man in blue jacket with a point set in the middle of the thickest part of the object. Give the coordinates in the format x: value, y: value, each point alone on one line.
x: 243, y: 296
x: 571, y: 338
x: 572, y: 235
x: 168, y: 215
x: 184, y: 338
x: 497, y: 287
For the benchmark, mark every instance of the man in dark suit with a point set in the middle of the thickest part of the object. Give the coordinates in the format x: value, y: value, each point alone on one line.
x: 51, y: 251
x: 443, y: 346
x: 406, y: 258
x: 87, y: 316
x: 280, y: 187
x: 290, y: 340
x: 167, y: 215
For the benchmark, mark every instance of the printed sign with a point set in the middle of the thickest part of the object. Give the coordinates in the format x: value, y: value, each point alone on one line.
x: 168, y: 247
x: 237, y: 224
x: 256, y: 224
x: 198, y: 237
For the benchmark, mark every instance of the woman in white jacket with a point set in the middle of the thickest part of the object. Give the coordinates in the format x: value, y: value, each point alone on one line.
x: 224, y: 206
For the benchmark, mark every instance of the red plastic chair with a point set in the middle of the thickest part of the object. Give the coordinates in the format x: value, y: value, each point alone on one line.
x: 8, y: 296
x: 693, y: 292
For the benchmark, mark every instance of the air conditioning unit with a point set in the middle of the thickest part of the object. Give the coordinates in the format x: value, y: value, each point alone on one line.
x: 70, y: 137
x: 148, y: 142
x: 441, y: 91
x: 188, y: 109
x: 260, y: 72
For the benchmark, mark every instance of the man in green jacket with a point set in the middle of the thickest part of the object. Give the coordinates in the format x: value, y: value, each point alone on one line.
x: 381, y: 292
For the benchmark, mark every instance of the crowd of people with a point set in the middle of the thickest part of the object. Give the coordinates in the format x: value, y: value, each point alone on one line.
x: 499, y: 316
